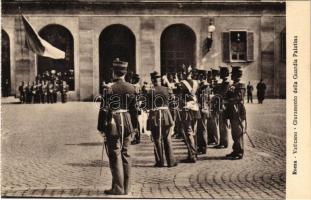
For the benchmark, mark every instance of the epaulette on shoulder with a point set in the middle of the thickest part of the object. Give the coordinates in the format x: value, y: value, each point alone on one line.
x: 136, y: 88
x: 109, y: 87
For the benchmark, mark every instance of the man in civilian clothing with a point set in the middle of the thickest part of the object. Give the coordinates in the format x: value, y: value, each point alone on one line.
x: 249, y: 92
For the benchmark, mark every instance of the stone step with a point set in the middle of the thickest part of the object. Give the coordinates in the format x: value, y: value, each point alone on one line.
x: 9, y: 99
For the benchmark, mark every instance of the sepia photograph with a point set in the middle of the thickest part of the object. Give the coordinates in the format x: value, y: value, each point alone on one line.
x: 145, y: 99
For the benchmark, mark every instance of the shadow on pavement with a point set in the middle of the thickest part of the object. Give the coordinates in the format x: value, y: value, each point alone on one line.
x: 212, y: 158
x: 94, y: 163
x: 88, y: 144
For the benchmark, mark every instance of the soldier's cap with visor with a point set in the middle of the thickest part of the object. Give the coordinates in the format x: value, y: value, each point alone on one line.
x: 155, y: 75
x: 223, y: 72
x: 136, y: 76
x: 118, y: 65
x: 202, y: 73
x: 195, y: 74
x: 236, y: 72
x: 215, y: 73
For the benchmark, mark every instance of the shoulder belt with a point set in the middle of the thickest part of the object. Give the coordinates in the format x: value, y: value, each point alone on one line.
x: 188, y: 86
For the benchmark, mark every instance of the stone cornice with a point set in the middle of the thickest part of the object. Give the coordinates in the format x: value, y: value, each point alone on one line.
x: 138, y: 7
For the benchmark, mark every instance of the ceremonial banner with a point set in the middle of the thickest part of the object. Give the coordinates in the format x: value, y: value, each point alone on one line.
x: 39, y: 45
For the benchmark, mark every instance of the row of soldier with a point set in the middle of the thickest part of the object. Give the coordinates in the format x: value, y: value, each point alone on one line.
x: 43, y: 91
x: 193, y: 104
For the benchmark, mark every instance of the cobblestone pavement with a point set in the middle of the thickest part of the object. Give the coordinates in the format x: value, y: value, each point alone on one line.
x: 55, y: 151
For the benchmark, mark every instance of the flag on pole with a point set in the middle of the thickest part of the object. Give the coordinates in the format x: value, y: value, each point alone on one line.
x: 39, y: 45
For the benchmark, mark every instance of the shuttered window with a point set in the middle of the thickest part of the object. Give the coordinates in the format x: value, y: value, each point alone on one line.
x: 250, y: 46
x: 226, y: 46
x: 238, y: 46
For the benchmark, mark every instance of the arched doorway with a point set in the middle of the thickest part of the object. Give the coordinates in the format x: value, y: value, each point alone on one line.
x: 61, y: 38
x: 177, y: 48
x: 115, y: 41
x: 5, y: 65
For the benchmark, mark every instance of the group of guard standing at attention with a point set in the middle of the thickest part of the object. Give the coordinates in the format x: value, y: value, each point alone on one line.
x: 192, y: 105
x: 47, y: 88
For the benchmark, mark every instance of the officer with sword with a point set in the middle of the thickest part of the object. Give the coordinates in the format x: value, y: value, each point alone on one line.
x: 220, y: 90
x: 115, y: 123
x: 160, y: 122
x: 203, y: 95
x: 237, y: 114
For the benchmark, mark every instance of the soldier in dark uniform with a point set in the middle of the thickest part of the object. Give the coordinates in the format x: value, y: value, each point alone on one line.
x: 160, y: 122
x: 237, y: 113
x: 40, y: 90
x: 27, y: 93
x: 64, y: 90
x: 35, y: 91
x: 55, y: 91
x: 32, y: 92
x: 21, y: 92
x: 115, y: 124
x: 213, y: 121
x: 176, y: 101
x: 50, y: 92
x: 249, y: 92
x: 203, y: 95
x: 221, y: 90
x: 135, y: 113
x: 44, y: 92
x: 189, y: 114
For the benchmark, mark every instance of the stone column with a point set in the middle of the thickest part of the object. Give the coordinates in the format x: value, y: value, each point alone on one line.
x: 147, y: 47
x: 86, y: 58
x: 24, y: 58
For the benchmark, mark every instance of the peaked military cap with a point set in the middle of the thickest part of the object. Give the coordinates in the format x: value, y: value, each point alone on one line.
x: 136, y: 76
x: 215, y: 72
x: 154, y: 75
x: 119, y: 65
x: 202, y: 72
x: 209, y: 74
x: 223, y: 72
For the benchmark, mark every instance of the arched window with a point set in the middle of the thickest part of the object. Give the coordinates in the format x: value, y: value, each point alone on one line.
x: 115, y: 41
x: 61, y: 38
x: 5, y: 65
x: 178, y: 47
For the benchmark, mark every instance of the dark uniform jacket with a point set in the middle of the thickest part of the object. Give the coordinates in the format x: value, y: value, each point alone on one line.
x: 159, y: 98
x: 203, y: 95
x: 236, y: 101
x: 118, y: 96
x: 221, y: 90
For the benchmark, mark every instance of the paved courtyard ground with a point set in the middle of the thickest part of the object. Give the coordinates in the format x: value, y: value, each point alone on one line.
x: 55, y: 151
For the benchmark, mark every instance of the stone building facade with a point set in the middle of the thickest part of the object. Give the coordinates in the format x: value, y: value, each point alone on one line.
x: 152, y: 35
